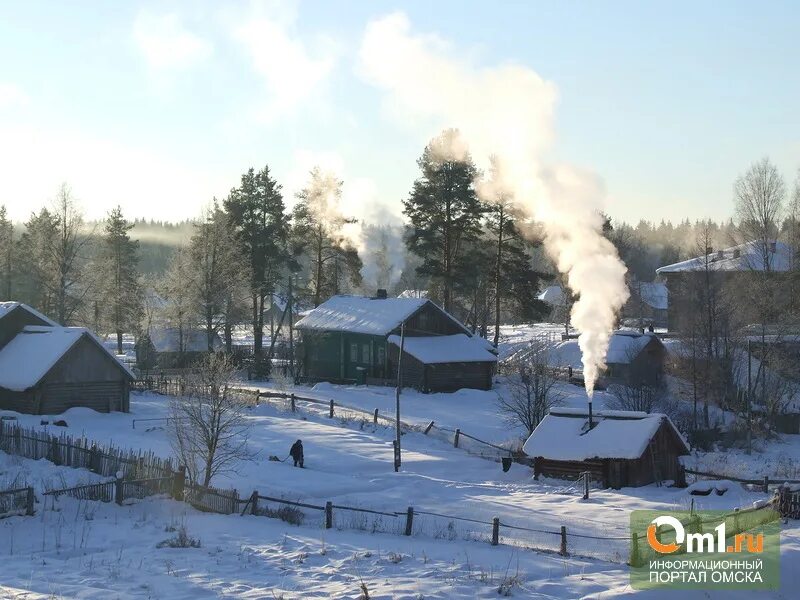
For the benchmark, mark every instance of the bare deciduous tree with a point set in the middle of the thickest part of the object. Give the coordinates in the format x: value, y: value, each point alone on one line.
x: 759, y: 195
x: 531, y: 388
x: 208, y: 426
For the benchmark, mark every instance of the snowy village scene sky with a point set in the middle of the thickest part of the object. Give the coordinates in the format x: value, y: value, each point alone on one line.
x: 399, y: 300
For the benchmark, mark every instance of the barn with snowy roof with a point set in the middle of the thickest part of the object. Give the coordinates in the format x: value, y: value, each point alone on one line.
x: 357, y: 339
x: 46, y: 368
x: 618, y: 448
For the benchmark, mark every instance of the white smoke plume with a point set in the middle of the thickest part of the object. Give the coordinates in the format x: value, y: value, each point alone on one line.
x: 507, y: 112
x: 376, y: 235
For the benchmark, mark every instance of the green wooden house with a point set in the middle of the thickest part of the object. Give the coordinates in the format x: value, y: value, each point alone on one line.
x: 354, y: 339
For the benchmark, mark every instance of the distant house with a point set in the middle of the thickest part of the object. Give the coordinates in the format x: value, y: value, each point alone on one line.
x: 631, y: 355
x: 731, y: 265
x: 357, y: 339
x: 554, y: 296
x: 648, y: 303
x: 46, y: 369
x: 170, y: 347
x: 622, y: 449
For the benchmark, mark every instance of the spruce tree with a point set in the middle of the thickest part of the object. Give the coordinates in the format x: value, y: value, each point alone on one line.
x: 444, y: 212
x: 120, y: 289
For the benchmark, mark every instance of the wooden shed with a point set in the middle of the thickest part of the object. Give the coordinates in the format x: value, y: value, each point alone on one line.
x: 172, y: 348
x: 47, y: 369
x: 352, y: 339
x: 621, y: 449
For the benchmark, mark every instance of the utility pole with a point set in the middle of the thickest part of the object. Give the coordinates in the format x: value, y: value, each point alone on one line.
x: 397, y: 398
x: 291, y: 329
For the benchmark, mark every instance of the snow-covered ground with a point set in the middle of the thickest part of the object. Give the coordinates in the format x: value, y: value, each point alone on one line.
x: 110, y: 552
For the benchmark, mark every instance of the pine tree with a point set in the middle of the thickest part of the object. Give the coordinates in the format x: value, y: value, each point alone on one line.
x: 35, y: 261
x: 6, y: 253
x: 318, y: 235
x: 515, y: 281
x: 444, y: 212
x: 120, y: 290
x: 256, y: 212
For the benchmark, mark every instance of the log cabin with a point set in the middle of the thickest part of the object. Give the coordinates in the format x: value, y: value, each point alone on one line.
x: 619, y: 449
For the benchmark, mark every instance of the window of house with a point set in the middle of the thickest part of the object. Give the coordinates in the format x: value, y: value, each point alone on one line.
x: 365, y: 357
x: 381, y: 355
x: 353, y: 353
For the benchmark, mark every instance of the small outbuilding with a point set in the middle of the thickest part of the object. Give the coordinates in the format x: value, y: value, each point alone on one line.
x: 354, y: 339
x: 47, y: 369
x: 620, y: 449
x: 172, y: 348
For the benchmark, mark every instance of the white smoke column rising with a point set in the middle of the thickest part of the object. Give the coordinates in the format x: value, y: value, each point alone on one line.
x: 507, y: 111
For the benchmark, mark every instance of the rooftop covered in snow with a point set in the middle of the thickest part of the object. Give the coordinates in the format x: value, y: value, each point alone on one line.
x: 565, y: 435
x: 358, y: 314
x: 749, y: 256
x: 653, y: 293
x: 31, y: 354
x: 552, y: 295
x: 7, y: 307
x: 623, y: 347
x: 445, y: 348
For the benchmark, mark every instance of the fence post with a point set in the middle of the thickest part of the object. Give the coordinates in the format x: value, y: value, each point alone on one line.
x: 766, y: 484
x: 178, y: 483
x: 409, y: 520
x: 375, y: 417
x: 455, y: 438
x: 254, y: 503
x: 29, y: 502
x: 294, y: 406
x: 586, y: 485
x: 563, y: 550
x: 495, y: 531
x: 329, y: 512
x: 119, y: 494
x: 428, y: 428
x: 331, y: 410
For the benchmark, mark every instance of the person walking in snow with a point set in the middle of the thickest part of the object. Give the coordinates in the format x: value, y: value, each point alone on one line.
x: 296, y: 452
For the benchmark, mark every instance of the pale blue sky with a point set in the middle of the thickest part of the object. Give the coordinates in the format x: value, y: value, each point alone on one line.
x: 160, y: 106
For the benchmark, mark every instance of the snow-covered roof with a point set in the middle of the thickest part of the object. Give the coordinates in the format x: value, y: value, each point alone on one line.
x: 652, y: 293
x: 194, y: 340
x: 358, y: 314
x: 623, y: 347
x: 31, y: 354
x: 564, y: 434
x: 445, y: 348
x: 413, y: 294
x: 7, y: 307
x: 744, y: 257
x: 552, y: 295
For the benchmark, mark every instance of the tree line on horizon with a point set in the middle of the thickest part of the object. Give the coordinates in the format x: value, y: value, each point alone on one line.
x: 225, y: 268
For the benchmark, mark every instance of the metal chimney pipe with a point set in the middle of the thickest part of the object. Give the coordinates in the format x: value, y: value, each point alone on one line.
x: 590, y: 414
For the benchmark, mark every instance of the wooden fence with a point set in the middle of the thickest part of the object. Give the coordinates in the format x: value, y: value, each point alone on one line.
x: 77, y: 452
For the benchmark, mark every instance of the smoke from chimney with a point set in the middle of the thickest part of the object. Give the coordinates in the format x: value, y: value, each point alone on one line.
x: 505, y: 114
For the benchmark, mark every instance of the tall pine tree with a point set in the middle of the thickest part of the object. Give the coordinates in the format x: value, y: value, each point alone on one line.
x: 120, y: 289
x: 256, y: 212
x: 444, y: 212
x: 515, y: 281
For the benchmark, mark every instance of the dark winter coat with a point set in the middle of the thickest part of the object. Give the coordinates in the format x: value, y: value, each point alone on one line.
x: 296, y: 451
